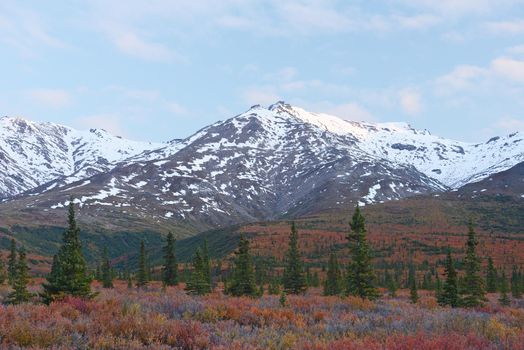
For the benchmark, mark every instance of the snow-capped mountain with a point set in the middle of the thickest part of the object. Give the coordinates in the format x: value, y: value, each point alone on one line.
x: 32, y: 154
x: 265, y: 163
x: 453, y: 163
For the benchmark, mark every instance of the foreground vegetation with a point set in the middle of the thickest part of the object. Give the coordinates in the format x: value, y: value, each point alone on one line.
x: 168, y: 318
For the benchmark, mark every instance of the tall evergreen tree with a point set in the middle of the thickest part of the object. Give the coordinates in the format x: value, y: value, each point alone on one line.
x: 516, y: 291
x: 69, y: 274
x: 98, y: 273
x: 294, y: 279
x: 243, y: 279
x: 333, y: 282
x: 315, y: 282
x: 107, y: 273
x: 390, y: 283
x: 129, y: 280
x: 170, y: 268
x: 3, y: 275
x: 198, y: 282
x: 12, y: 265
x: 474, y: 293
x: 274, y: 287
x: 438, y: 287
x: 309, y: 277
x: 206, y: 265
x: 361, y: 276
x: 491, y: 277
x: 141, y: 277
x: 449, y: 295
x: 20, y: 293
x: 504, y: 298
x: 413, y: 291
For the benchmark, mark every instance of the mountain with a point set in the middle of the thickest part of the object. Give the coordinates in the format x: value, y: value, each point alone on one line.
x: 507, y: 183
x: 263, y: 164
x: 32, y: 154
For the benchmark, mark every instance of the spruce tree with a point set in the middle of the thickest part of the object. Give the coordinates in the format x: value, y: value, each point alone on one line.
x: 504, y: 298
x: 283, y: 299
x: 129, y: 281
x: 206, y: 265
x: 3, y: 275
x: 474, y: 293
x: 361, y: 276
x: 107, y: 273
x: 491, y: 277
x: 516, y: 291
x: 69, y: 274
x: 98, y: 273
x: 413, y: 292
x: 438, y: 288
x: 243, y: 279
x: 316, y: 281
x: 294, y: 279
x: 141, y: 277
x: 170, y: 268
x: 11, y: 265
x: 198, y: 282
x: 391, y: 284
x: 333, y: 282
x: 20, y: 293
x: 449, y: 295
x: 309, y: 278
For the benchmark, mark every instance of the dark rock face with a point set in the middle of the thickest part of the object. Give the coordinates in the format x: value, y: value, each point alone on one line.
x: 403, y: 147
x: 509, y: 183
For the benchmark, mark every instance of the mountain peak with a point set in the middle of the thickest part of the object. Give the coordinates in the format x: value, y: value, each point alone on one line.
x: 280, y: 105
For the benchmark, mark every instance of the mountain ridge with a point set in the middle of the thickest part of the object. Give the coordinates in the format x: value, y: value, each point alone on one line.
x: 439, y: 158
x: 263, y: 164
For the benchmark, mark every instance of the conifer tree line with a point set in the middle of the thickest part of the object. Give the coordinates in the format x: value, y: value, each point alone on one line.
x: 246, y: 276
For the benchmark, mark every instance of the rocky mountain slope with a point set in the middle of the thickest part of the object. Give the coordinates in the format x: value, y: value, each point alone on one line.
x: 32, y: 154
x: 262, y: 164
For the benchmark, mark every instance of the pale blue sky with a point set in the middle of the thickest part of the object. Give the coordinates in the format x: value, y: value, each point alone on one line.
x: 158, y: 69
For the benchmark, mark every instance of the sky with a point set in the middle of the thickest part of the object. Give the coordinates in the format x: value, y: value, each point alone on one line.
x: 162, y: 69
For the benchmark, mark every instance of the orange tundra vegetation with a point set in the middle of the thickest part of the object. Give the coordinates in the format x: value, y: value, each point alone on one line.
x: 168, y: 318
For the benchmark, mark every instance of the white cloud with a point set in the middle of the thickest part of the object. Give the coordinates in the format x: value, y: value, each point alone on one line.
x: 107, y: 121
x: 462, y: 7
x: 510, y: 124
x: 502, y: 78
x: 54, y: 98
x: 465, y: 77
x: 133, y: 45
x: 410, y: 101
x: 509, y: 68
x: 516, y: 50
x: 343, y: 70
x: 284, y: 74
x: 350, y: 111
x: 418, y: 21
x: 506, y: 27
x: 453, y: 37
x: 461, y: 78
x: 260, y: 95
x: 234, y: 22
x: 25, y: 30
x: 136, y: 94
x: 176, y: 108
